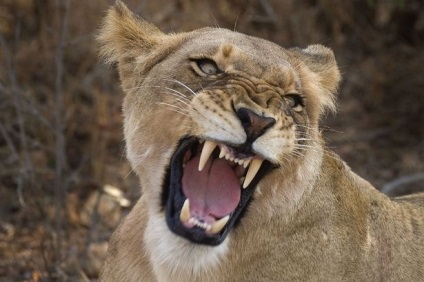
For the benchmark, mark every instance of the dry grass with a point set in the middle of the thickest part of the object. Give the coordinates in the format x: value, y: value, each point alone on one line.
x: 60, y: 123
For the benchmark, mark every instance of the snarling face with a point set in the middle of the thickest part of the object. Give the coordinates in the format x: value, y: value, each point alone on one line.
x: 210, y: 114
x: 241, y: 121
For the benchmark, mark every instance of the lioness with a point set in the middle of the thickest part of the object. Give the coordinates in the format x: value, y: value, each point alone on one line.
x: 222, y: 130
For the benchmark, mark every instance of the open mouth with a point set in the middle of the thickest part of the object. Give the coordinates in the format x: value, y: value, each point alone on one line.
x: 208, y: 187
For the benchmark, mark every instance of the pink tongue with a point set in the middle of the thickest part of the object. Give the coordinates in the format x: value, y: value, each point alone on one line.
x: 214, y: 191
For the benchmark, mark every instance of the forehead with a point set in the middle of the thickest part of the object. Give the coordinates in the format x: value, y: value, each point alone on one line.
x: 232, y: 50
x: 209, y: 40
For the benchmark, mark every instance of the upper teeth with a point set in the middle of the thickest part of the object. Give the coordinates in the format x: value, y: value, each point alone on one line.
x: 253, y: 169
x: 206, y: 153
x: 255, y: 163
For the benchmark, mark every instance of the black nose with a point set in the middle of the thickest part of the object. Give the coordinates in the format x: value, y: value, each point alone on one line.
x: 254, y: 125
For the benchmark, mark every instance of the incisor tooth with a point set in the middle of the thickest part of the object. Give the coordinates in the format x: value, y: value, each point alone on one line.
x: 185, y: 211
x: 246, y: 163
x: 252, y: 170
x: 206, y: 153
x: 219, y: 224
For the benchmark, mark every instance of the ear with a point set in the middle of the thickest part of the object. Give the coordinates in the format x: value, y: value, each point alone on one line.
x: 321, y: 62
x: 123, y: 36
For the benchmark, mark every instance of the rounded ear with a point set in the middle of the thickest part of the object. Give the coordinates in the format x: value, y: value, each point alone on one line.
x: 321, y: 62
x: 123, y: 36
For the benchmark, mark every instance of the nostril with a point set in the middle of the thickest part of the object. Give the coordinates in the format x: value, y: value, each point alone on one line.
x: 254, y: 125
x: 243, y: 115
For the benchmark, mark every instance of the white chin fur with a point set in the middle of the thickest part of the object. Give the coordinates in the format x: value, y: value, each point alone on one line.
x: 176, y: 259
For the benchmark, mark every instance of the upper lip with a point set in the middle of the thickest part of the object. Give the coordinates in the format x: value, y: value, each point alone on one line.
x: 250, y: 169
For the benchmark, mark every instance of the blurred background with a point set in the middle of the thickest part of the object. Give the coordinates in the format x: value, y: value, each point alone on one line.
x: 64, y: 180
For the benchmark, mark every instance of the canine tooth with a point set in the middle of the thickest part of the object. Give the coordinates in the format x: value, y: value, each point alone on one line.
x: 206, y: 153
x: 246, y: 163
x: 251, y: 172
x: 222, y: 153
x: 185, y: 212
x: 219, y: 224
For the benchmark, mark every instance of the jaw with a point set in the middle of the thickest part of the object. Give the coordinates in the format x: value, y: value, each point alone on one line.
x: 204, y: 206
x: 174, y: 256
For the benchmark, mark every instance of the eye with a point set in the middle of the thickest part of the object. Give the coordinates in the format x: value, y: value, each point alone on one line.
x: 205, y: 67
x: 294, y: 101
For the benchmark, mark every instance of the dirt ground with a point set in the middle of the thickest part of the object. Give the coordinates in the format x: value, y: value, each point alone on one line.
x: 64, y: 179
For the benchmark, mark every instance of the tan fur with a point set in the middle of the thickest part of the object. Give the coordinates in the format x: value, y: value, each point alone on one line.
x: 311, y: 219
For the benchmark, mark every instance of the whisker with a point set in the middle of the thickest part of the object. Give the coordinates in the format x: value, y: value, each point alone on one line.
x: 305, y: 126
x: 303, y: 139
x: 177, y: 92
x: 297, y: 154
x: 173, y: 105
x: 179, y: 99
x: 305, y: 146
x: 173, y: 108
x: 185, y: 86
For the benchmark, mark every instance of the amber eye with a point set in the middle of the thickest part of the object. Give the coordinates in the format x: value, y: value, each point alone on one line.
x: 205, y: 67
x: 294, y: 101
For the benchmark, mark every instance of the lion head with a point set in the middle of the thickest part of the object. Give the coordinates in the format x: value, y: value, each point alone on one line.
x: 211, y: 115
